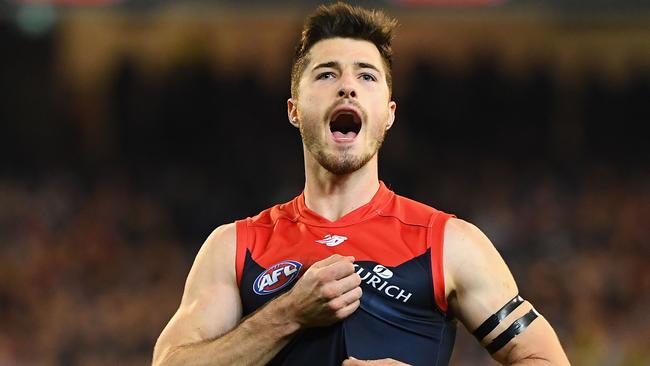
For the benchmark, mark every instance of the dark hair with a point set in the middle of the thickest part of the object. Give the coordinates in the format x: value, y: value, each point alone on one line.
x: 343, y: 20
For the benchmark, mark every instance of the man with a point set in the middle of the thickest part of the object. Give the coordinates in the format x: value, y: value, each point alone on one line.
x: 348, y: 271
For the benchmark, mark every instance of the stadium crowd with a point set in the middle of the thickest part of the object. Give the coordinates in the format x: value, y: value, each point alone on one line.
x: 102, y: 214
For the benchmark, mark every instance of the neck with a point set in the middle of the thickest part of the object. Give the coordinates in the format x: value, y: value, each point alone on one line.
x: 333, y: 196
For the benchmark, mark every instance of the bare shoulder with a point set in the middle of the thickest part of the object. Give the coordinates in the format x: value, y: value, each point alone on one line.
x: 220, y: 245
x: 214, y: 264
x: 210, y: 305
x: 461, y: 235
x: 477, y: 280
x: 215, y: 261
x: 470, y: 256
x: 222, y: 238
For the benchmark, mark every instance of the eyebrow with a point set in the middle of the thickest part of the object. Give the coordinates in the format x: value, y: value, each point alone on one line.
x: 364, y: 65
x: 337, y: 66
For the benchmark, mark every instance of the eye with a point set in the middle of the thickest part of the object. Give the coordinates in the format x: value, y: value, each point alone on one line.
x: 368, y: 77
x: 325, y: 75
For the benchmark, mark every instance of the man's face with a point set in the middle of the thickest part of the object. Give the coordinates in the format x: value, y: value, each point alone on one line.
x: 343, y: 107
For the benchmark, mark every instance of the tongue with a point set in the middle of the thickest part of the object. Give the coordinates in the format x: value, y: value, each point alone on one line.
x: 344, y: 136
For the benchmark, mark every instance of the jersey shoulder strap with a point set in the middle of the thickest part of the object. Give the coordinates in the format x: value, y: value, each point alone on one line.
x: 435, y: 241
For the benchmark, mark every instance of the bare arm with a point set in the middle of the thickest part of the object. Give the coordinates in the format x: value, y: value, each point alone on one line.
x: 478, y: 283
x: 207, y: 328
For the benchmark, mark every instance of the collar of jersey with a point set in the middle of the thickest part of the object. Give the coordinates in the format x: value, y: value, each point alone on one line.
x: 369, y: 210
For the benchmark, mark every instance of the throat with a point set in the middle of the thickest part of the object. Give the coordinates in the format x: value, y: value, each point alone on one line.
x: 333, y: 201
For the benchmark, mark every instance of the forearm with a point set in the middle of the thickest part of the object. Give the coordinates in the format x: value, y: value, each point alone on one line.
x: 255, y: 341
x: 558, y: 358
x: 546, y: 351
x: 552, y: 355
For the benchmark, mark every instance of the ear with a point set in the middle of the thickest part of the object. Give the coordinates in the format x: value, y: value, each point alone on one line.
x: 392, y: 106
x: 292, y: 112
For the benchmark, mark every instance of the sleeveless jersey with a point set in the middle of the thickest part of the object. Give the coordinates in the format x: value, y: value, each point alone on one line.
x: 397, y: 245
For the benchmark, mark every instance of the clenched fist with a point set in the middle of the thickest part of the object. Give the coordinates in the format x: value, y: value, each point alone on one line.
x: 328, y: 292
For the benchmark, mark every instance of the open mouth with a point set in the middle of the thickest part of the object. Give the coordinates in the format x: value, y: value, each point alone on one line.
x: 345, y: 125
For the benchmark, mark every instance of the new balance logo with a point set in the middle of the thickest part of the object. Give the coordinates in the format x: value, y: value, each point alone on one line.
x: 332, y: 240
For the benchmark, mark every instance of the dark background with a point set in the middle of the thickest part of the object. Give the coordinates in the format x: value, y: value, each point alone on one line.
x: 129, y: 131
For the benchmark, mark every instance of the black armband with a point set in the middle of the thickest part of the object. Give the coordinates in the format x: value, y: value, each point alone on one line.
x: 513, y: 330
x: 496, y: 318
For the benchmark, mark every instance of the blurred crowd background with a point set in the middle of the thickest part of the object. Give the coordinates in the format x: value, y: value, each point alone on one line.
x: 129, y: 131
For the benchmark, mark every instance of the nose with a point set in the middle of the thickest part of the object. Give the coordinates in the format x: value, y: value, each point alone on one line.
x: 347, y: 84
x: 347, y: 92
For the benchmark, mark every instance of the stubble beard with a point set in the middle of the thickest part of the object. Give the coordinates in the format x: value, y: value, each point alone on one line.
x: 342, y: 162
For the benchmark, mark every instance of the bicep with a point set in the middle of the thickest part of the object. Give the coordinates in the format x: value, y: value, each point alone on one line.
x: 478, y: 280
x: 211, y: 304
x: 480, y: 284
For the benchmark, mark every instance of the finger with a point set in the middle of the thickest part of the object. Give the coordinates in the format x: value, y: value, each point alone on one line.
x: 332, y: 259
x: 347, y: 310
x: 336, y: 288
x: 345, y: 299
x: 348, y: 282
x: 335, y: 271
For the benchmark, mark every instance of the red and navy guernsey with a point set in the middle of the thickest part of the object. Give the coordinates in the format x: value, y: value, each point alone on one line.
x: 397, y: 244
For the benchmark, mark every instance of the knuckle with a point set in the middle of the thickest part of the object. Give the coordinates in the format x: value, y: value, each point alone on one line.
x: 321, y: 276
x: 336, y: 257
x: 334, y: 305
x: 330, y: 292
x: 357, y: 279
x: 349, y: 267
x: 352, y: 296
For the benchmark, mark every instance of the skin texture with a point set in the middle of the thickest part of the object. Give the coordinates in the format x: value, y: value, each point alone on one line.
x: 208, y: 328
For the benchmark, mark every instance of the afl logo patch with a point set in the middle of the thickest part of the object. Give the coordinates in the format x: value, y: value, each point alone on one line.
x: 276, y: 277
